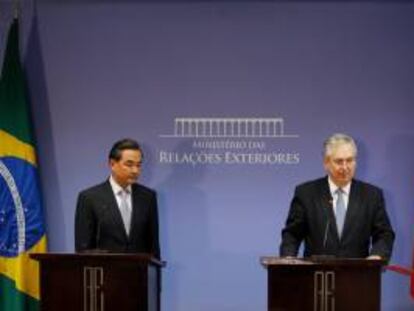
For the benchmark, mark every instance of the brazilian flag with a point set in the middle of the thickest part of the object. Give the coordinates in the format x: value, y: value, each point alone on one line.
x: 22, y: 229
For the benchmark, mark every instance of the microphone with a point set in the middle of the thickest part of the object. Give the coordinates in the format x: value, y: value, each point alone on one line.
x: 98, y: 234
x: 98, y: 230
x: 326, y: 256
x: 325, y: 235
x: 328, y: 223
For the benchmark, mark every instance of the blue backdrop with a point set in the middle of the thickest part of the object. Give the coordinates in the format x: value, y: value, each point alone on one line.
x: 231, y: 101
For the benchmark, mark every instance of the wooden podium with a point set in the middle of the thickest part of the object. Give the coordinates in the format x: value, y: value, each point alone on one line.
x: 323, y: 284
x: 99, y: 282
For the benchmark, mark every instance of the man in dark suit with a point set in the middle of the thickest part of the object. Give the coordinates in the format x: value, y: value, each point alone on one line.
x: 338, y: 215
x: 119, y: 215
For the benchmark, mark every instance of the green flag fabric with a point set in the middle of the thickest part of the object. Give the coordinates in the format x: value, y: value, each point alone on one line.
x: 22, y: 229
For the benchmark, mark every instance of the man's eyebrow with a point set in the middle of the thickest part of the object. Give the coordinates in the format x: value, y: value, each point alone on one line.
x: 133, y: 162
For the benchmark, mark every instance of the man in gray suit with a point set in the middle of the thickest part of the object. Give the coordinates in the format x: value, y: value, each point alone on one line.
x: 119, y: 215
x: 338, y: 215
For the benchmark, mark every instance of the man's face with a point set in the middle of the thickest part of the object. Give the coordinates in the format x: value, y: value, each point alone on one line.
x: 340, y: 164
x: 127, y: 169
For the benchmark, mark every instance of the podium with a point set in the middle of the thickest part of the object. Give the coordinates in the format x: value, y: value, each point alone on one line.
x: 99, y: 282
x: 323, y: 284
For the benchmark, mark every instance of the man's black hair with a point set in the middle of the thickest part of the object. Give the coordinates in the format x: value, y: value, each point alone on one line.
x: 123, y: 144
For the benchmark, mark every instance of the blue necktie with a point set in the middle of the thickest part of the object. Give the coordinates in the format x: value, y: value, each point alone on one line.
x: 340, y: 211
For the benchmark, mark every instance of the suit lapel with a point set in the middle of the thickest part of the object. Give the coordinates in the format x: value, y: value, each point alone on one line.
x: 354, y: 204
x: 113, y: 211
x: 136, y: 205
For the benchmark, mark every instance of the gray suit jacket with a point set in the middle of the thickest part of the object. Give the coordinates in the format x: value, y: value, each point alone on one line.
x: 367, y: 229
x: 99, y: 225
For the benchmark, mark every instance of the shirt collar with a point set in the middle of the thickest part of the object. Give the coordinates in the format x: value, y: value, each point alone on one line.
x: 116, y: 188
x: 332, y: 187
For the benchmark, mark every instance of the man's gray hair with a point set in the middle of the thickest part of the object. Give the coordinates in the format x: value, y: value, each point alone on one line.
x: 338, y: 139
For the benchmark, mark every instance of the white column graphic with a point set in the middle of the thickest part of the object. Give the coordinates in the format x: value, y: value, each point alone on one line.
x: 229, y: 128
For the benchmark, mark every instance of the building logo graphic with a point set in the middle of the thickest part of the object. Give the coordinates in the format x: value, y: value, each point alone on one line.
x: 228, y: 141
x: 229, y: 128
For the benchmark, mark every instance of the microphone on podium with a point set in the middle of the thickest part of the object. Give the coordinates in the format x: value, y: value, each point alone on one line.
x: 325, y: 235
x: 96, y: 248
x: 328, y: 224
x: 324, y: 256
x: 98, y: 229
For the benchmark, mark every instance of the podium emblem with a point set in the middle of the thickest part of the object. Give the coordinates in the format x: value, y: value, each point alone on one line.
x: 93, y: 294
x: 324, y: 291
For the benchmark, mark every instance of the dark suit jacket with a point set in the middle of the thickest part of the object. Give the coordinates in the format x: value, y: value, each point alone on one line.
x: 367, y: 229
x: 99, y: 225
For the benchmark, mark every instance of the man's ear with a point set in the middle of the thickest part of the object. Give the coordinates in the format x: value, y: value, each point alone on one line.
x: 325, y: 162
